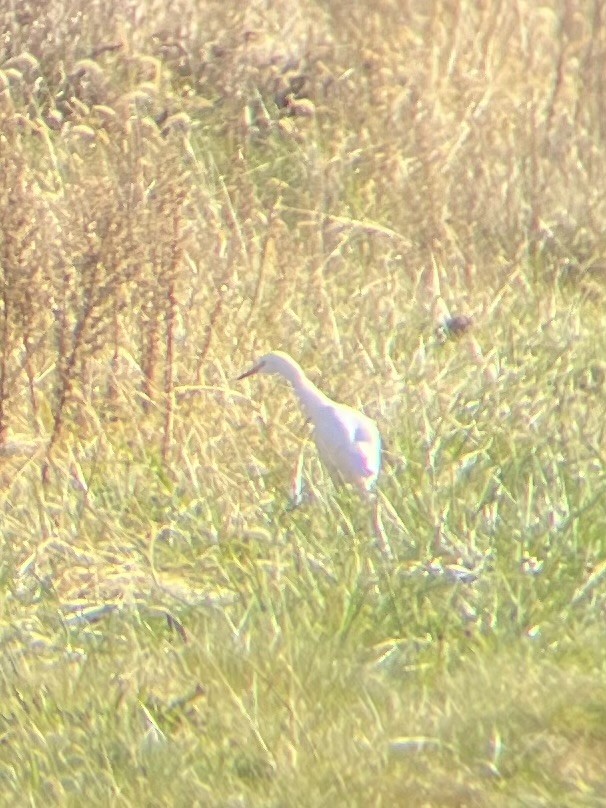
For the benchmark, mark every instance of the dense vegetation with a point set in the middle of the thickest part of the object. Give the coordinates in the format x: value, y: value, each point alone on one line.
x: 188, y: 184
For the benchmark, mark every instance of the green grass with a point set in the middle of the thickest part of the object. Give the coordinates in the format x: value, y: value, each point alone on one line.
x: 173, y: 632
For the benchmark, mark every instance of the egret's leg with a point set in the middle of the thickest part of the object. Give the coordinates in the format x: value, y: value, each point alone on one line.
x: 296, y: 486
x: 377, y: 525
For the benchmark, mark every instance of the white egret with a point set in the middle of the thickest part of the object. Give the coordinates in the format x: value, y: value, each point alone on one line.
x: 348, y: 442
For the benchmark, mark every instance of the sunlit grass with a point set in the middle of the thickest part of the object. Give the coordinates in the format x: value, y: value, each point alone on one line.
x: 188, y: 188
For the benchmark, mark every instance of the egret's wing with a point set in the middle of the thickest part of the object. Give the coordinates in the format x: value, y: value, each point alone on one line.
x: 349, y: 443
x: 368, y: 445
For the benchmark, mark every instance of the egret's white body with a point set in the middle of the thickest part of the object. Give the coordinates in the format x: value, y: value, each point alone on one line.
x: 348, y: 442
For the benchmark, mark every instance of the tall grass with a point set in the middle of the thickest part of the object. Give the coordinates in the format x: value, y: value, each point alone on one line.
x: 187, y: 186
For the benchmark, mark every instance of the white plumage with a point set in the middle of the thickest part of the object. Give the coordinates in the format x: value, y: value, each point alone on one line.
x: 348, y: 442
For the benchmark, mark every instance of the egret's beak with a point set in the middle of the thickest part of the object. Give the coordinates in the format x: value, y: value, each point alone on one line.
x: 251, y: 372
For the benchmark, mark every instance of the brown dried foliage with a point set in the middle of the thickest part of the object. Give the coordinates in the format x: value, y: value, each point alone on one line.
x: 171, y: 180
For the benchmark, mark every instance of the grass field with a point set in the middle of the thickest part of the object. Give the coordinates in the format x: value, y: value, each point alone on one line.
x: 187, y: 185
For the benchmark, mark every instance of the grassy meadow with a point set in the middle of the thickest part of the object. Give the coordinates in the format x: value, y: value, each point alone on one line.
x: 187, y: 185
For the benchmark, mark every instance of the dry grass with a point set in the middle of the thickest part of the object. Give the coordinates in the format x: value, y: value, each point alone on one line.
x: 185, y: 187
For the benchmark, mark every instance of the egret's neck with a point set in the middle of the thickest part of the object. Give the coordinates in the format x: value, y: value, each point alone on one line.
x: 308, y: 394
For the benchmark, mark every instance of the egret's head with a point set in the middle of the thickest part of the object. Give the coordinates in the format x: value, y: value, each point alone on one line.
x: 275, y: 362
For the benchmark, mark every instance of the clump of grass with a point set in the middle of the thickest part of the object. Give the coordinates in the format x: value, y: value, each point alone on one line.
x: 185, y: 190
